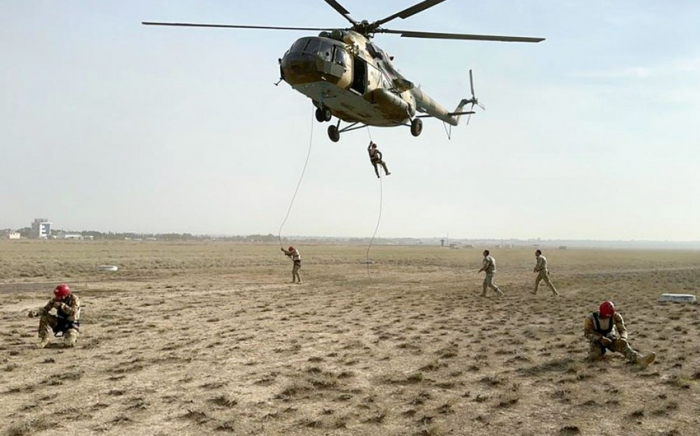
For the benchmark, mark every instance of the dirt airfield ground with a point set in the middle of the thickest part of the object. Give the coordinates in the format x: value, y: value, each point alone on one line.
x: 210, y: 338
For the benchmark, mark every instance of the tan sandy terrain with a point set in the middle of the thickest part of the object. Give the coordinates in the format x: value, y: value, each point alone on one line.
x: 210, y: 338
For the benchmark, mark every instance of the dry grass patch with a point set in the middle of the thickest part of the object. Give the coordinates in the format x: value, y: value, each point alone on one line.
x: 413, y: 350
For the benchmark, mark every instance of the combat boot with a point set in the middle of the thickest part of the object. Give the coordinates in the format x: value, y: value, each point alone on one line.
x: 644, y: 361
x: 43, y: 341
x: 70, y: 338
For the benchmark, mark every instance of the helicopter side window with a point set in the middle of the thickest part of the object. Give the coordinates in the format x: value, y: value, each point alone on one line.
x: 340, y: 56
x: 326, y: 51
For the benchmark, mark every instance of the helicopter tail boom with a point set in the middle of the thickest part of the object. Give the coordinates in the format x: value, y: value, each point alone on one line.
x: 433, y: 109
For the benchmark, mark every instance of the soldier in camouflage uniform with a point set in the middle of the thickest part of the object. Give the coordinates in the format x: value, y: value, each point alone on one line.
x: 67, y: 318
x: 489, y: 266
x: 293, y: 253
x: 542, y: 273
x: 375, y: 156
x: 605, y: 330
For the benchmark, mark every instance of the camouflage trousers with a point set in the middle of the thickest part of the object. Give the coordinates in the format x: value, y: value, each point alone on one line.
x: 488, y: 283
x: 596, y: 350
x: 376, y: 168
x: 47, y: 327
x: 544, y: 275
x: 295, y: 272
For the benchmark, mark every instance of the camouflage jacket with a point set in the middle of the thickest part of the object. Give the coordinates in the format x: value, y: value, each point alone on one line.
x: 68, y: 309
x: 595, y: 328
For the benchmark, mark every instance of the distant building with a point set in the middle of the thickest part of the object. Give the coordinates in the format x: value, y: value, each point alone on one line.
x: 9, y: 234
x: 69, y: 236
x: 41, y: 229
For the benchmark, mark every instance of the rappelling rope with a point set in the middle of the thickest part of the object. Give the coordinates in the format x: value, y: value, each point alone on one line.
x: 308, y: 154
x: 379, y: 218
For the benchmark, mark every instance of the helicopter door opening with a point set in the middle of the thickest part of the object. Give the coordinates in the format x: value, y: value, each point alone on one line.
x: 359, y: 78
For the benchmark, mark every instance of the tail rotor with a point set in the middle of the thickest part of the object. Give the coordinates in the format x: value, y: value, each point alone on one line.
x: 474, y: 101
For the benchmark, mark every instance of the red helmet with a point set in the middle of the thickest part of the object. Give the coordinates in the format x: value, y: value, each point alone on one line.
x: 607, y: 309
x: 61, y: 291
x: 291, y: 248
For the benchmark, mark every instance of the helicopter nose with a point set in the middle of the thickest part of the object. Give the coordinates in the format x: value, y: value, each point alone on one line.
x: 299, y: 68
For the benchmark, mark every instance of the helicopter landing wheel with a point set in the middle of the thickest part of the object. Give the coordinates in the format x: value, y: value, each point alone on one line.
x: 323, y: 114
x: 416, y: 127
x: 333, y: 133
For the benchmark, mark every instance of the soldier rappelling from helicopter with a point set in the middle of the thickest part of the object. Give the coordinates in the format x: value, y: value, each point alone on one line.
x: 375, y: 156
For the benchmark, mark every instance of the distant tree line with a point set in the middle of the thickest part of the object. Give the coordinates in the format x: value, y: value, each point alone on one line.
x: 94, y: 234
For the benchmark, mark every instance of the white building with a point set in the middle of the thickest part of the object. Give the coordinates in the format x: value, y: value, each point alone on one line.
x: 41, y: 228
x: 13, y: 235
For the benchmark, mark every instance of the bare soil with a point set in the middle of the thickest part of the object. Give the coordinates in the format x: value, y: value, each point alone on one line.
x: 210, y: 338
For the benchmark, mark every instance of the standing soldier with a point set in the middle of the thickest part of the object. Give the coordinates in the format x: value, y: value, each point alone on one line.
x: 67, y: 318
x: 605, y: 330
x: 542, y: 273
x: 293, y: 253
x: 375, y: 156
x: 490, y: 268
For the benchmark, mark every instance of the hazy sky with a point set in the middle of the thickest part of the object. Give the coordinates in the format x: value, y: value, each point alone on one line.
x: 113, y: 126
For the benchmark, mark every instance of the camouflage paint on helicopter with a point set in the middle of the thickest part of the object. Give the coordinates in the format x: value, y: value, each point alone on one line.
x: 349, y: 77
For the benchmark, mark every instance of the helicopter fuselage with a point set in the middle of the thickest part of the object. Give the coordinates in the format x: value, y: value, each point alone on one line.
x: 353, y: 78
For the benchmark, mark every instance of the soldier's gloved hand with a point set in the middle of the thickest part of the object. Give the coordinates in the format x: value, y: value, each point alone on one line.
x: 32, y: 313
x: 605, y: 341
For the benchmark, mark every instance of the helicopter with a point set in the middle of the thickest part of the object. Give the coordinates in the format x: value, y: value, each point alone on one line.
x: 347, y: 76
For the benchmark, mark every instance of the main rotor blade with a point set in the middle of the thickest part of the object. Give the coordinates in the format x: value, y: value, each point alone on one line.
x: 464, y: 36
x: 420, y: 7
x: 341, y: 10
x: 233, y: 26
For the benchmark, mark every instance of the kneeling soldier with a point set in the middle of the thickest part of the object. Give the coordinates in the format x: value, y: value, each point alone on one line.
x: 605, y: 330
x: 67, y: 318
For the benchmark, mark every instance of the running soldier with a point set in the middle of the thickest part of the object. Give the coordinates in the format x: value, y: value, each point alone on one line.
x: 375, y: 156
x: 605, y: 330
x: 67, y: 318
x: 542, y: 273
x: 293, y: 253
x: 489, y: 266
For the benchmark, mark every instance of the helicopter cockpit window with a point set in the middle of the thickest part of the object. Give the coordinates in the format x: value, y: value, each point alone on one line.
x: 298, y: 46
x: 313, y: 46
x: 340, y: 57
